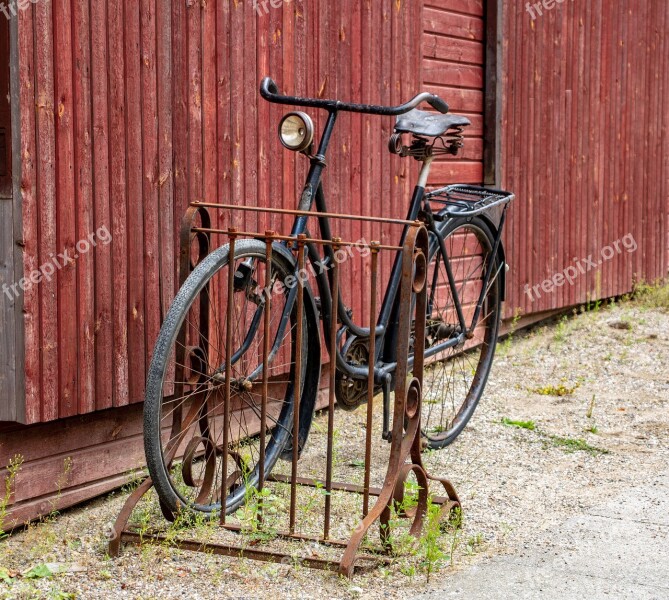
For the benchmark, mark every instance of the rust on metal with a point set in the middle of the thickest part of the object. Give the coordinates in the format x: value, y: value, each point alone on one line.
x: 303, y: 213
x: 374, y: 246
x: 331, y: 395
x: 290, y: 238
x: 378, y: 503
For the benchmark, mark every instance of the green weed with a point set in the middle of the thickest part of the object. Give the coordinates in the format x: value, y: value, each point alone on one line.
x: 13, y: 469
x: 505, y: 345
x: 559, y: 390
x: 575, y: 445
x: 521, y: 424
x: 651, y: 295
x: 561, y: 330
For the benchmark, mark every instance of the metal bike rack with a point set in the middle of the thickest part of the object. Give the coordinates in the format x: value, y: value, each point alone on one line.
x: 405, y: 448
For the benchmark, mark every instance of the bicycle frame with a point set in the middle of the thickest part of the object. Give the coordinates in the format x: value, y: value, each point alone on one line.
x: 385, y: 359
x: 386, y: 328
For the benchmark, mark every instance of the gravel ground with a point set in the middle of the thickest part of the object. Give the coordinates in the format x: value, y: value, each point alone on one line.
x: 606, y: 432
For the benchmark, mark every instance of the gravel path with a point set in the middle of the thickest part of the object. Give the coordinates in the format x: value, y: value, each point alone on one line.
x: 606, y: 432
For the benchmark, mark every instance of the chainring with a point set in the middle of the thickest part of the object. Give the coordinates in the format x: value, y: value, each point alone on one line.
x: 352, y: 393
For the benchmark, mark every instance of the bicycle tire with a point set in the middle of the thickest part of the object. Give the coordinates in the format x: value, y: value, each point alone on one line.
x: 171, y: 497
x: 442, y: 433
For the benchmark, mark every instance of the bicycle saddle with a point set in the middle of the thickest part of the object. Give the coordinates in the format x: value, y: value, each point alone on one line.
x: 430, y: 124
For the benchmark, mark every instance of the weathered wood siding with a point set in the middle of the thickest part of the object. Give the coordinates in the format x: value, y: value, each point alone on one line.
x: 8, y: 355
x: 133, y: 109
x: 11, y: 334
x: 585, y: 147
x: 453, y: 67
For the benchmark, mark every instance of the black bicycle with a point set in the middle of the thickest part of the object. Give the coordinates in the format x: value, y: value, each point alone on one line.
x: 466, y: 278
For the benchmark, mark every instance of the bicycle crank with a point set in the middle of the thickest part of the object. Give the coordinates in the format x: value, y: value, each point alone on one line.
x: 352, y: 393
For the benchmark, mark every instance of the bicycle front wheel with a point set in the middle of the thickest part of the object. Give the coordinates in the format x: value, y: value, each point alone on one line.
x: 456, y: 377
x: 184, y: 416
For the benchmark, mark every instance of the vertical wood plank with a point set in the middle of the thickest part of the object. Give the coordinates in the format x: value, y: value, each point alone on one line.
x: 83, y: 164
x: 250, y: 98
x: 194, y: 100
x: 8, y: 403
x: 118, y: 199
x: 66, y: 212
x: 167, y: 243
x: 180, y: 112
x: 224, y: 94
x: 103, y: 254
x: 30, y: 214
x: 46, y: 183
x: 138, y: 298
x: 150, y: 184
x: 237, y: 103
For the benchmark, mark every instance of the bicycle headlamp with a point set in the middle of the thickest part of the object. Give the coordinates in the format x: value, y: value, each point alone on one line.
x: 296, y: 131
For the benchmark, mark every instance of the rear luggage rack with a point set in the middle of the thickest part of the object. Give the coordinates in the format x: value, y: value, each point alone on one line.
x: 468, y: 200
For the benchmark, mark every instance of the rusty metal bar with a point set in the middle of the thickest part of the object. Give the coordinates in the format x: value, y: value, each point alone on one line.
x: 334, y: 314
x: 228, y: 375
x: 269, y: 240
x: 298, y: 380
x: 303, y: 213
x: 370, y: 381
x: 291, y: 238
x: 341, y: 487
x: 130, y: 537
x: 405, y: 453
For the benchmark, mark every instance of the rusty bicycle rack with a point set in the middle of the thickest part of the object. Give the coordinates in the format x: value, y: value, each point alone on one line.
x: 404, y: 458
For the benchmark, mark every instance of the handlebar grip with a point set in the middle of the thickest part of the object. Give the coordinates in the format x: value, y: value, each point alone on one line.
x: 268, y: 88
x: 437, y: 103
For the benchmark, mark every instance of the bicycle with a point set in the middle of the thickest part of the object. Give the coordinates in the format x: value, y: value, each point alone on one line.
x: 466, y: 276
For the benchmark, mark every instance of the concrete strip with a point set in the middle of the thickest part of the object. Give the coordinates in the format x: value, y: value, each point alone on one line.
x: 616, y: 551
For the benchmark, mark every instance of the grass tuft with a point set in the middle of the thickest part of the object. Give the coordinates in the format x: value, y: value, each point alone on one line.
x: 559, y: 390
x: 651, y: 295
x: 521, y: 424
x: 575, y: 445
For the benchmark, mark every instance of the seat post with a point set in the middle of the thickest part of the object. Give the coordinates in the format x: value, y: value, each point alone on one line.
x: 425, y: 171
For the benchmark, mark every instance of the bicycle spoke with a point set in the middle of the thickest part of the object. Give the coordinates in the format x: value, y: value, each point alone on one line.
x: 453, y: 381
x: 195, y: 368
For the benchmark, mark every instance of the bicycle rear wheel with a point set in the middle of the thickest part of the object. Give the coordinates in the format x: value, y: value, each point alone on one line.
x: 183, y: 413
x: 456, y: 377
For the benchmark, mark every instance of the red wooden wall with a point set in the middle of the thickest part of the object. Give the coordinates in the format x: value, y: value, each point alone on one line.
x: 453, y: 68
x: 585, y: 145
x: 132, y: 109
x: 129, y: 110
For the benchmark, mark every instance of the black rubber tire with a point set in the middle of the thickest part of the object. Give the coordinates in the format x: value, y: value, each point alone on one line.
x: 195, y: 283
x: 471, y: 400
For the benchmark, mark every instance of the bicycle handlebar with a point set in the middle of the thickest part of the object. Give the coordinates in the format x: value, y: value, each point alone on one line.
x: 270, y: 92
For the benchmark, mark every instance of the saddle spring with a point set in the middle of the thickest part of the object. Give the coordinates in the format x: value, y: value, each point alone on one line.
x: 422, y: 148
